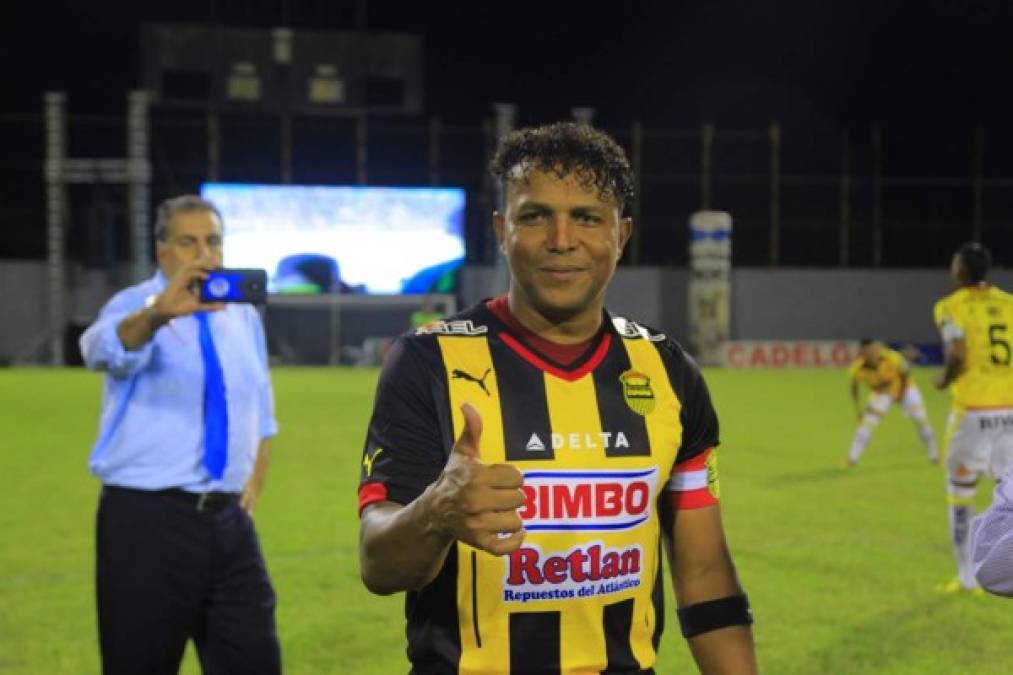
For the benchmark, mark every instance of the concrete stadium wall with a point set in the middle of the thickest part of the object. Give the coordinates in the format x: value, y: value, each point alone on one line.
x: 23, y: 311
x: 780, y: 304
x: 819, y: 304
x: 22, y: 306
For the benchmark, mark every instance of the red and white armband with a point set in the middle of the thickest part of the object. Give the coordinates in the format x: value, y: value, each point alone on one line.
x: 693, y: 484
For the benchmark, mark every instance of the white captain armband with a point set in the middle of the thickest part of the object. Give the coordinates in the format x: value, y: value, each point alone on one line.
x: 950, y: 331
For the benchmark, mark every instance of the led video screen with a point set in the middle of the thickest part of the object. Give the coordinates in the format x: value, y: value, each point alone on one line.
x: 351, y: 239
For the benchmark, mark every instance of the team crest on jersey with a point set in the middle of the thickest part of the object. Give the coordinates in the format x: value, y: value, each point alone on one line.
x: 460, y: 327
x: 713, y: 485
x: 637, y: 391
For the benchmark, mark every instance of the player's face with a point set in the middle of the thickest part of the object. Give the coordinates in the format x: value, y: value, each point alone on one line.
x: 562, y: 241
x: 191, y: 235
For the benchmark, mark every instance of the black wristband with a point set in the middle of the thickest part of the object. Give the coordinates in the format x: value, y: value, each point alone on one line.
x: 704, y: 617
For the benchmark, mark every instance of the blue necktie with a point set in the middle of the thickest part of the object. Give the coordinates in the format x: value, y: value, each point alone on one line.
x: 216, y: 416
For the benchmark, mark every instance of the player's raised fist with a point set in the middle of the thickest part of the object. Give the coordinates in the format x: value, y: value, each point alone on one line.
x: 475, y: 502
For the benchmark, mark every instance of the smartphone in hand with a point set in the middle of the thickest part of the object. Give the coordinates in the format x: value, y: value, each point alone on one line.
x: 235, y: 285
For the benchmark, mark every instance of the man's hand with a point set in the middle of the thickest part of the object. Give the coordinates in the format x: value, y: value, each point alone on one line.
x: 939, y: 381
x: 254, y: 486
x: 181, y: 295
x: 474, y: 502
x: 248, y: 498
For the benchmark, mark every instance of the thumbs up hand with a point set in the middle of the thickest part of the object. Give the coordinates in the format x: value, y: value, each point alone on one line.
x: 475, y: 502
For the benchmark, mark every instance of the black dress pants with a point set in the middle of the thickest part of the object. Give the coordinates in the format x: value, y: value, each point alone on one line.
x: 171, y: 568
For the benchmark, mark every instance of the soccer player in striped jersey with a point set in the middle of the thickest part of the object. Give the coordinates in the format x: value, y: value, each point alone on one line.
x: 528, y: 460
x: 975, y: 322
x: 888, y: 376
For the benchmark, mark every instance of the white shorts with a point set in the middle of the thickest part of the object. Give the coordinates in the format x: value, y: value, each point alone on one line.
x: 911, y: 402
x: 979, y: 442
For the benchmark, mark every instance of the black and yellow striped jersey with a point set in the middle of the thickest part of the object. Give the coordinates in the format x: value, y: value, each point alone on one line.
x: 597, y: 441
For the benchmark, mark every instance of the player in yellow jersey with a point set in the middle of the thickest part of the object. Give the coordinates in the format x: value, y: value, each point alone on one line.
x: 888, y: 376
x: 975, y: 322
x: 529, y: 458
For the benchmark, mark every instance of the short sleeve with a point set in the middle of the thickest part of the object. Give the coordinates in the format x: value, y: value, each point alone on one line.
x: 950, y: 326
x: 698, y: 417
x: 693, y: 481
x: 404, y: 451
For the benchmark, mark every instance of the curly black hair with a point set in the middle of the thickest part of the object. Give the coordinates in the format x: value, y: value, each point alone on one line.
x: 568, y: 149
x: 976, y: 259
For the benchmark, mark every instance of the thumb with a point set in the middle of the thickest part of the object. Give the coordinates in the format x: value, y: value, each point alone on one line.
x: 468, y: 442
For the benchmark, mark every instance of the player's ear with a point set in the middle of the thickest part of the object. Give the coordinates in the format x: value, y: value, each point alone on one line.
x: 161, y: 250
x: 499, y: 226
x: 625, y: 232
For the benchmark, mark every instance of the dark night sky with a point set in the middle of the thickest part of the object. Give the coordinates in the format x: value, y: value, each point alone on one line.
x: 677, y: 63
x: 927, y: 71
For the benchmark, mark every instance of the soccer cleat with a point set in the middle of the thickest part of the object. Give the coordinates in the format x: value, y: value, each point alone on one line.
x: 954, y: 586
x: 848, y: 463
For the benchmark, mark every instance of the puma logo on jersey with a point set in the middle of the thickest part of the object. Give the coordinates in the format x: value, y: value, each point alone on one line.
x: 367, y: 461
x: 458, y: 374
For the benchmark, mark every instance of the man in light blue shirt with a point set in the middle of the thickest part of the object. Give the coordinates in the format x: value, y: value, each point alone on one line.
x: 182, y: 450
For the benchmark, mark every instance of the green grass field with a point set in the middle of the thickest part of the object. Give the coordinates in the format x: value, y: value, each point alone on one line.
x: 840, y: 566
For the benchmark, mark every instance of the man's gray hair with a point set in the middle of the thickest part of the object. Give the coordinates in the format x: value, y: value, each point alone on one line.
x: 182, y: 204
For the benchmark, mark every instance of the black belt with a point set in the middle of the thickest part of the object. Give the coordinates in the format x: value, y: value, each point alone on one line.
x: 201, y: 501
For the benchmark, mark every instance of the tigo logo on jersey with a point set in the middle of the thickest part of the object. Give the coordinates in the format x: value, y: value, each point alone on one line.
x: 637, y: 392
x: 557, y: 501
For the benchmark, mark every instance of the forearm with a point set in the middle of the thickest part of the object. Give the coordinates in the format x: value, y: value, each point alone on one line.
x: 260, y: 465
x: 951, y: 369
x: 726, y: 651
x: 703, y: 571
x: 399, y: 547
x: 251, y: 491
x: 953, y: 363
x: 137, y: 328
